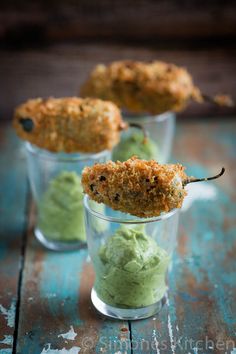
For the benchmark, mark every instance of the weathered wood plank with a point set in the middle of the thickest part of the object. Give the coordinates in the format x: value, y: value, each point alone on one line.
x: 55, y: 299
x: 201, y: 304
x: 200, y: 316
x: 12, y: 225
x: 117, y: 19
x: 60, y: 70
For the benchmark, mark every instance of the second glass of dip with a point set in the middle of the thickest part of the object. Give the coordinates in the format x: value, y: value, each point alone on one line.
x: 160, y: 130
x: 131, y: 257
x: 57, y: 191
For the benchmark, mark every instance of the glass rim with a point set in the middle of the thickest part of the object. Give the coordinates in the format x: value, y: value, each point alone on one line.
x: 149, y: 117
x: 119, y: 220
x: 63, y: 156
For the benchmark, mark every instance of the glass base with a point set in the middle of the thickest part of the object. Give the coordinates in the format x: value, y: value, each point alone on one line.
x: 126, y: 314
x: 58, y: 245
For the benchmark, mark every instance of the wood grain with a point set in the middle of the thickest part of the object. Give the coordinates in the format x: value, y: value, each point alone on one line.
x: 59, y: 70
x: 124, y: 19
x: 199, y: 316
x: 55, y: 297
x: 200, y: 311
x: 12, y: 225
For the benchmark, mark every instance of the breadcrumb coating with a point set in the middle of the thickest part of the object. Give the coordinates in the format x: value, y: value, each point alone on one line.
x: 138, y: 187
x: 140, y: 87
x: 69, y: 124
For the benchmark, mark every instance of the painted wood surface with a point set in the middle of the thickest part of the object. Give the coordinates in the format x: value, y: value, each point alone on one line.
x: 56, y: 311
x: 200, y: 316
x: 12, y: 225
x: 200, y: 313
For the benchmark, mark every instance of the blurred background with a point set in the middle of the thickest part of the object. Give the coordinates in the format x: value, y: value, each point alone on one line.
x: 48, y: 47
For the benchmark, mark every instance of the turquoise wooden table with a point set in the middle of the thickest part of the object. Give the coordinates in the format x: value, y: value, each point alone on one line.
x: 45, y: 303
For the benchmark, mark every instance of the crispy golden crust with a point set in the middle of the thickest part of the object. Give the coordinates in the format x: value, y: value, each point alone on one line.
x: 69, y: 124
x: 138, y: 187
x: 140, y: 87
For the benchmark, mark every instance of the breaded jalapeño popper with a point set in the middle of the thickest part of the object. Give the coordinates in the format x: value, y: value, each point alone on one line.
x: 146, y: 87
x: 138, y: 187
x: 70, y: 124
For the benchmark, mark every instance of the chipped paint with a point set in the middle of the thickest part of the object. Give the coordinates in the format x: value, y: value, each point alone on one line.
x: 9, y: 314
x: 50, y: 295
x: 8, y: 340
x: 49, y: 350
x: 199, y: 191
x: 70, y: 335
x: 171, y: 335
x: 155, y: 341
x: 6, y: 351
x: 170, y: 330
x: 13, y: 191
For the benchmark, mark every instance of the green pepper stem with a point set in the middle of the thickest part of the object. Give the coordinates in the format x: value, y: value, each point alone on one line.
x: 141, y: 127
x: 219, y: 100
x: 193, y: 179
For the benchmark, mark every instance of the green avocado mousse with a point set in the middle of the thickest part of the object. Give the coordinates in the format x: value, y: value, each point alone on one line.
x: 61, y: 214
x: 61, y: 211
x: 131, y: 269
x: 133, y: 145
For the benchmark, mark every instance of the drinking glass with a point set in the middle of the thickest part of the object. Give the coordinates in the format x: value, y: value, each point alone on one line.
x: 57, y: 191
x: 160, y: 129
x: 131, y: 257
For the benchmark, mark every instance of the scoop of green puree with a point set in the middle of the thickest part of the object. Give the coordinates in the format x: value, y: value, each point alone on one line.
x: 132, y: 270
x: 61, y: 211
x: 133, y: 145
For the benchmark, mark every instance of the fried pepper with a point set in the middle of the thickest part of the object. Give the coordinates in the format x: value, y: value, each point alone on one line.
x: 138, y: 187
x: 69, y: 124
x: 140, y: 87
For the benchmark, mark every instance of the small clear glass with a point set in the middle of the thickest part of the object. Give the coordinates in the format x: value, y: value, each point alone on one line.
x: 57, y: 192
x: 131, y: 257
x: 160, y: 129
